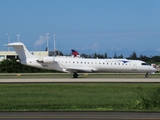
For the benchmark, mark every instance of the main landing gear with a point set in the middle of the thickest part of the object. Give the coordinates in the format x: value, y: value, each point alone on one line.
x: 146, y: 75
x: 75, y: 75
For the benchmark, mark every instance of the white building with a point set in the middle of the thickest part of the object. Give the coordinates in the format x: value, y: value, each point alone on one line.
x: 12, y: 54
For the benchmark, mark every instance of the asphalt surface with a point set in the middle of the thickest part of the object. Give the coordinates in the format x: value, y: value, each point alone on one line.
x: 79, y: 116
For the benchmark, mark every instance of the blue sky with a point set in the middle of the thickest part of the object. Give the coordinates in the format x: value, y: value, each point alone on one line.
x: 89, y: 26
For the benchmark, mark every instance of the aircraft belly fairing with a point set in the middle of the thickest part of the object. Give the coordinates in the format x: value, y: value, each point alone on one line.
x: 77, y: 69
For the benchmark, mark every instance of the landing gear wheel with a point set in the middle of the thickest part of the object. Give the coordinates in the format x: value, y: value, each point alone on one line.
x: 146, y: 75
x: 75, y: 75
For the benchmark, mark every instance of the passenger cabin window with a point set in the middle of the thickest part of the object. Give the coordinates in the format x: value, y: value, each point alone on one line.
x: 144, y: 64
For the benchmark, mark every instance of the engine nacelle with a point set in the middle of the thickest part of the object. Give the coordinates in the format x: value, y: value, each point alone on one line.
x: 46, y: 60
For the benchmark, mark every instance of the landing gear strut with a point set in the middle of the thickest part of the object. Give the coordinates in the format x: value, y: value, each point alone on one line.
x: 146, y: 75
x: 75, y: 75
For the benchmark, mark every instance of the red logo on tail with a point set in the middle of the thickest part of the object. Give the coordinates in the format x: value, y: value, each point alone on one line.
x: 75, y: 53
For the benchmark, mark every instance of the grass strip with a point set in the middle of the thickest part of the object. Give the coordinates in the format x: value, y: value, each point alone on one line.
x: 73, y: 96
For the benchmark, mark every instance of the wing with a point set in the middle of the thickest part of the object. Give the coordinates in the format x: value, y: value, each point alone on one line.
x: 76, y: 69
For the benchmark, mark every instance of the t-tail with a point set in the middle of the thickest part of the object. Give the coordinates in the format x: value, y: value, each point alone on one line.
x: 21, y: 50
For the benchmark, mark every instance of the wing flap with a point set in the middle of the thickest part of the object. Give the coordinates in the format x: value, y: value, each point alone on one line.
x: 75, y: 69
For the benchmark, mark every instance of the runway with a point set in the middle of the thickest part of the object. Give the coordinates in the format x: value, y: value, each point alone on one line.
x: 82, y: 80
x: 79, y: 115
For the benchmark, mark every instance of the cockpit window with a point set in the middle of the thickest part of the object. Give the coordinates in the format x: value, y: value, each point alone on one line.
x: 145, y: 64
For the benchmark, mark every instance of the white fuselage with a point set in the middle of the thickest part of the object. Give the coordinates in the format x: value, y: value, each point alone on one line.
x: 73, y: 64
x: 78, y: 64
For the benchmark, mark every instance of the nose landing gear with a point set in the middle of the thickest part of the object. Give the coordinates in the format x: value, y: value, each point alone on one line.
x: 146, y: 75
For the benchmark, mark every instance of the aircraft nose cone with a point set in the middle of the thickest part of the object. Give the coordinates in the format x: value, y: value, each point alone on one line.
x: 153, y: 69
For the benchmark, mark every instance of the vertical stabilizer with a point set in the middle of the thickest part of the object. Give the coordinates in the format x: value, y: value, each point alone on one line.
x: 75, y: 53
x: 21, y: 50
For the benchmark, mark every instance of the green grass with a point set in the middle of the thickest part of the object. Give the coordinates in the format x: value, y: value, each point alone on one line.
x: 72, y: 96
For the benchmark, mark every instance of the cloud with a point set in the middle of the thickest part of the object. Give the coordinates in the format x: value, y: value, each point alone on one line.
x: 42, y: 39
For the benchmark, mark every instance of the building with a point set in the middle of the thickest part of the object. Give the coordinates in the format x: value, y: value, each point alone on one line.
x: 12, y: 54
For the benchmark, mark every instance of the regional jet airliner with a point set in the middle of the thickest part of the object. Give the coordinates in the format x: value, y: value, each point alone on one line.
x: 76, y: 65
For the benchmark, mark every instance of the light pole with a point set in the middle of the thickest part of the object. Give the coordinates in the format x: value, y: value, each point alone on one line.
x: 8, y: 40
x: 55, y: 53
x: 47, y: 43
x: 18, y: 36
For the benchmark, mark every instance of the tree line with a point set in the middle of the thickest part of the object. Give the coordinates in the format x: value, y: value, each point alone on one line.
x: 11, y: 66
x: 133, y: 56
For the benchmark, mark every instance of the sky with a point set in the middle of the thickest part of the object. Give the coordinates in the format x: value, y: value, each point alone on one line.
x: 88, y: 26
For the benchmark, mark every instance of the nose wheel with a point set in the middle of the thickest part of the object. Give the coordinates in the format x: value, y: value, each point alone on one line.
x: 146, y: 75
x: 75, y: 75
